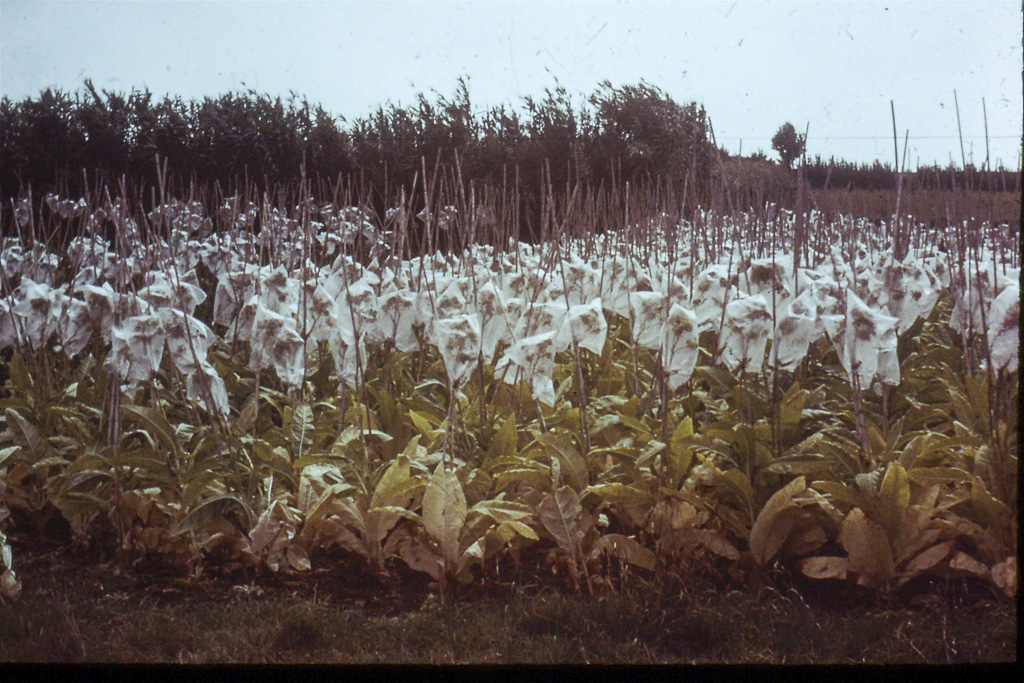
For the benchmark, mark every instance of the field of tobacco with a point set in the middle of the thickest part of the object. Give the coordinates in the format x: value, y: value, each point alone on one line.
x: 758, y: 392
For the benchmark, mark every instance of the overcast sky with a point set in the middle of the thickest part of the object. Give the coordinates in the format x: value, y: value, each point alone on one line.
x: 754, y: 65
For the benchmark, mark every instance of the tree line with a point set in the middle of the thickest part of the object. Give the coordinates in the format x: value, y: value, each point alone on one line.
x: 841, y: 175
x: 73, y: 143
x: 249, y: 143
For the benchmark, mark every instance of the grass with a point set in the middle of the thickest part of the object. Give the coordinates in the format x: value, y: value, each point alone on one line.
x: 71, y: 611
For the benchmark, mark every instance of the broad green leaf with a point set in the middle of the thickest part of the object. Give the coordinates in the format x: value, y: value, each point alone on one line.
x: 653, y: 449
x: 395, y: 511
x: 301, y: 428
x: 388, y: 411
x: 737, y: 483
x: 870, y: 556
x: 682, y: 432
x: 535, y: 475
x: 444, y: 512
x: 517, y: 528
x: 798, y: 463
x: 8, y: 452
x: 27, y: 435
x: 560, y: 512
x: 503, y: 510
x: 422, y: 423
x: 246, y: 419
x: 505, y: 441
x: 925, y: 476
x: 621, y: 494
x: 389, y: 490
x: 926, y: 560
x: 560, y: 446
x: 21, y: 380
x: 420, y: 557
x: 893, y: 499
x: 791, y: 411
x: 775, y: 521
x: 625, y: 549
x: 210, y: 510
x: 841, y: 493
x: 148, y: 461
x: 636, y: 424
x: 55, y: 460
x: 82, y: 481
x: 157, y: 425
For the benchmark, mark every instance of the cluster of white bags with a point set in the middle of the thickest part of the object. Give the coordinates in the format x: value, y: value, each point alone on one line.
x: 527, y: 302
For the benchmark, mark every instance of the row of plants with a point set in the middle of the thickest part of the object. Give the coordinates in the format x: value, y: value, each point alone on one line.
x: 664, y: 397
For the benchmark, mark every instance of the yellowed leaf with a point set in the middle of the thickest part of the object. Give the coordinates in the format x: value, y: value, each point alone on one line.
x: 389, y: 486
x: 444, y: 511
x: 560, y: 512
x: 775, y: 521
x: 964, y: 563
x: 803, y: 541
x: 824, y: 567
x: 298, y: 558
x: 717, y: 543
x: 870, y: 556
x: 893, y: 498
x: 1004, y: 575
x: 624, y: 548
x: 683, y: 515
x: 927, y: 560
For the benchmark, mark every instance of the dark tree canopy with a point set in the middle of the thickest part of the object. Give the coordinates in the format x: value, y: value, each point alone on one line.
x: 789, y: 144
x: 74, y: 143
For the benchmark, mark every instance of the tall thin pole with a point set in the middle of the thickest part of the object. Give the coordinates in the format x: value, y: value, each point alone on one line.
x: 895, y: 145
x: 959, y: 130
x: 984, y: 112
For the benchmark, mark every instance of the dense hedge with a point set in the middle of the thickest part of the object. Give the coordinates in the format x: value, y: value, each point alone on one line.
x: 250, y: 143
x: 74, y: 143
x: 844, y: 175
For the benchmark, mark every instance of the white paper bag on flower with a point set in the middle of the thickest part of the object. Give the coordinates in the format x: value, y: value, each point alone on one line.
x: 458, y: 341
x: 679, y: 345
x: 1003, y: 329
x: 535, y: 357
x: 584, y: 323
x: 648, y: 310
x: 745, y: 331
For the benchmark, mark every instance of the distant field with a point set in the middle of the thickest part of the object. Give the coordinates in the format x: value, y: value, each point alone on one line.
x: 938, y: 206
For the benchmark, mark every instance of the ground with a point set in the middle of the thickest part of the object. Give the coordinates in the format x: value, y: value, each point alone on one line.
x: 77, y: 606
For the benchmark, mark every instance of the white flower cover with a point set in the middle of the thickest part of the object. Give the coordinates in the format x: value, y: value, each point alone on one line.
x: 679, y: 345
x: 584, y: 323
x: 1004, y: 329
x: 869, y: 347
x: 459, y: 342
x: 711, y: 290
x: 276, y: 344
x: 535, y: 357
x: 798, y: 327
x: 137, y: 347
x: 531, y: 301
x: 745, y: 332
x: 648, y: 311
